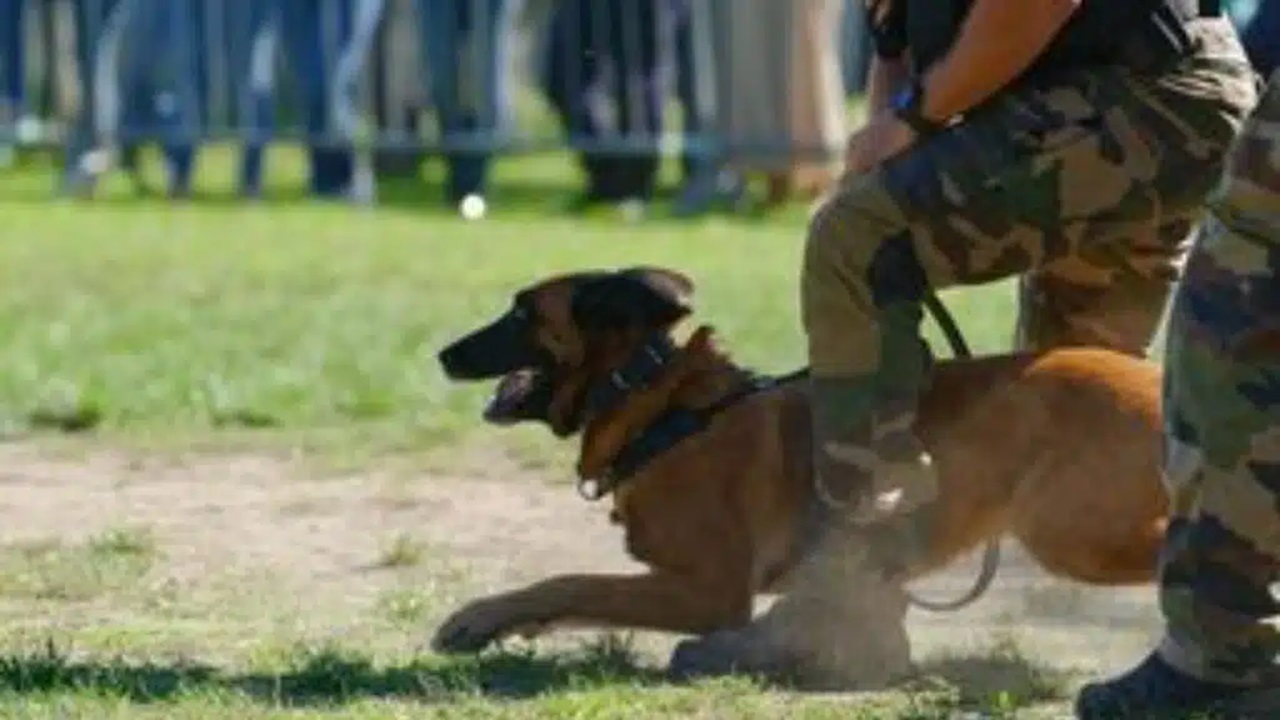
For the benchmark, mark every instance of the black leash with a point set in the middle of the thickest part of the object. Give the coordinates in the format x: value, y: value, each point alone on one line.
x: 991, y: 552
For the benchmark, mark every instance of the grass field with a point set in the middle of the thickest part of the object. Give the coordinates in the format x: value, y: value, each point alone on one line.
x: 235, y: 484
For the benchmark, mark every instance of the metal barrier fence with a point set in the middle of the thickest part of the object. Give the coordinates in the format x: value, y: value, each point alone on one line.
x: 619, y: 81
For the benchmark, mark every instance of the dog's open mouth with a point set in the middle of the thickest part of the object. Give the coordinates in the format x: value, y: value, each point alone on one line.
x: 521, y: 395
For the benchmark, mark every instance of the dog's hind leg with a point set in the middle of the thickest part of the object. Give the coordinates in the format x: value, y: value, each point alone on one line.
x: 1081, y: 524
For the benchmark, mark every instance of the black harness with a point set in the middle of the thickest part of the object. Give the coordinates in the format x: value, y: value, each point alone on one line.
x: 641, y: 370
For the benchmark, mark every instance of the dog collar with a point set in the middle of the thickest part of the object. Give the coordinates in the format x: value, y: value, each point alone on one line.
x: 669, y: 430
x: 640, y: 370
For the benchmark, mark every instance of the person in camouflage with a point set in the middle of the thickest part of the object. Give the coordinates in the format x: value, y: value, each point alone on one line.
x: 1220, y: 566
x: 981, y: 169
x: 1117, y: 303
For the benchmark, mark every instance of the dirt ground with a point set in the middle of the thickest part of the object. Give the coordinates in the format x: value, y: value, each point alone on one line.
x: 319, y: 537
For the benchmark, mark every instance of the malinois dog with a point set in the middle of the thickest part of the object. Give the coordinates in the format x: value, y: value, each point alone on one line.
x: 708, y: 464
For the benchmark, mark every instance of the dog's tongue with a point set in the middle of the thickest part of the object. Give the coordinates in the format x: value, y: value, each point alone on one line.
x: 508, y: 399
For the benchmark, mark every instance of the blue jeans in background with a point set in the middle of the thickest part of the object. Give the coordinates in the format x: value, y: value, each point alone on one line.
x: 609, y: 68
x: 325, y: 44
x: 12, y: 67
x: 250, y: 33
x: 139, y: 78
x: 467, y: 45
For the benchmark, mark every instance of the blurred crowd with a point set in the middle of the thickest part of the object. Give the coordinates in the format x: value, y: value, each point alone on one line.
x: 747, y: 90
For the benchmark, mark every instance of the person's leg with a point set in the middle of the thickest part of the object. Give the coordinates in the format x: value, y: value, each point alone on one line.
x: 640, y: 48
x: 356, y: 28
x: 445, y: 30
x: 578, y: 79
x: 122, y: 95
x: 487, y: 26
x: 12, y: 68
x: 172, y: 63
x: 559, y: 62
x: 1023, y: 182
x: 1115, y: 298
x: 695, y: 88
x: 86, y: 28
x: 253, y: 36
x: 302, y: 27
x: 1220, y: 565
x: 336, y: 40
x: 683, y: 66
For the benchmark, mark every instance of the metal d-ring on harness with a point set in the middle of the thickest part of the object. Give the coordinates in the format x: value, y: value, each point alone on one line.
x: 647, y: 364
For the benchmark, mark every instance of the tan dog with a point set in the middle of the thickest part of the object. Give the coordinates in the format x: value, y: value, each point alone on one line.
x: 1058, y: 450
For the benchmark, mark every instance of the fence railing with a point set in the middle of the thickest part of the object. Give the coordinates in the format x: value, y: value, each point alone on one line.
x: 617, y: 80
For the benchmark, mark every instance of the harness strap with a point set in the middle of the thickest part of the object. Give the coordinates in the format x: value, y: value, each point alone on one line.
x: 663, y: 434
x: 674, y: 426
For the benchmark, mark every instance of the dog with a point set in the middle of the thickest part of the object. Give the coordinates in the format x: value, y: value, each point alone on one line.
x: 708, y: 465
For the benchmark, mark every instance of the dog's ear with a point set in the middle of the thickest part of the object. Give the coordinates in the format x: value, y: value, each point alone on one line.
x: 639, y: 297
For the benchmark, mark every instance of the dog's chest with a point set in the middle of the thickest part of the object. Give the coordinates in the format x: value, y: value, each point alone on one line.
x: 636, y: 532
x: 658, y: 531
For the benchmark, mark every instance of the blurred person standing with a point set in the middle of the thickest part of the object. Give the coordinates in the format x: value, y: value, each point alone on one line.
x: 779, y: 96
x: 468, y: 45
x: 12, y: 74
x: 325, y: 44
x: 138, y: 78
x: 1219, y: 566
x: 695, y: 92
x: 250, y: 45
x: 609, y: 66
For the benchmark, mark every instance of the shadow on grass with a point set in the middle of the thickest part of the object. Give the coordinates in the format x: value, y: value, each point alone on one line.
x: 326, y: 677
x: 1000, y: 680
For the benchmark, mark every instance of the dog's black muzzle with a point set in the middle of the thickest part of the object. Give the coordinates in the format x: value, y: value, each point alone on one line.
x: 503, y: 346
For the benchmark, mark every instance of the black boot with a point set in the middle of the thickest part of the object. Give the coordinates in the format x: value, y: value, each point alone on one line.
x: 1154, y: 690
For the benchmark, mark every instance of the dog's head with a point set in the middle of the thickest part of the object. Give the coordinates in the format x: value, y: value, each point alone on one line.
x: 562, y: 333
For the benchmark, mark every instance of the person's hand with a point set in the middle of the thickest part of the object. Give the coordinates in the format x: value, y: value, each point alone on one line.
x: 881, y: 138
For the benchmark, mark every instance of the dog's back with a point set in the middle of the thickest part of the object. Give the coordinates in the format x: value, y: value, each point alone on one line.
x: 1059, y: 450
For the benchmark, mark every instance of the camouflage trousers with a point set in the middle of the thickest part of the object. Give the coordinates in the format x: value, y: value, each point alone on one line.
x: 1220, y: 566
x: 1083, y: 176
x: 1118, y: 305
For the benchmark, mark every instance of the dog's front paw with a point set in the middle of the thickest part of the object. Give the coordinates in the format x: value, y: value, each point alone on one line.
x: 475, y: 627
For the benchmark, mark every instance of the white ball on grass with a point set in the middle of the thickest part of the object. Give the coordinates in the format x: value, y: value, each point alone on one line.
x: 473, y: 207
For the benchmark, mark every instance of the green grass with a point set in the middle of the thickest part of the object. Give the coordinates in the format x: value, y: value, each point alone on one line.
x: 143, y: 320
x: 133, y: 323
x: 598, y: 681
